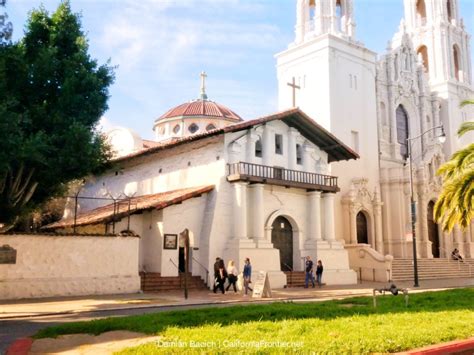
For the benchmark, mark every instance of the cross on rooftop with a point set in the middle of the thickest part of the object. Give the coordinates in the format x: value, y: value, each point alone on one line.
x: 294, y: 87
x: 203, y: 86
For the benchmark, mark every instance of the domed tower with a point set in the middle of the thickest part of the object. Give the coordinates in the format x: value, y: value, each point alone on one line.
x: 194, y: 117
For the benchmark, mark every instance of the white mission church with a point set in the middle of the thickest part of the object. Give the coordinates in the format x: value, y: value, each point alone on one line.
x: 328, y: 179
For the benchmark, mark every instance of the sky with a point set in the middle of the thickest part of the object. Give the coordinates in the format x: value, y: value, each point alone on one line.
x: 160, y: 47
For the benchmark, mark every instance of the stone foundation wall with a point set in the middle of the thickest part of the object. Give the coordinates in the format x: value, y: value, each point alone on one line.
x: 48, y: 266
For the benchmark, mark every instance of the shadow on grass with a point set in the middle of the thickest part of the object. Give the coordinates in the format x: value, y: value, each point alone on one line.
x: 457, y: 299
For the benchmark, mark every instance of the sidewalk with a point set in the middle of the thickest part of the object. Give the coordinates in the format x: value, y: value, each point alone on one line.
x: 71, y: 305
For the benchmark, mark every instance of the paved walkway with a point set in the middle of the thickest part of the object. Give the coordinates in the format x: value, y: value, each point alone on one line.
x: 25, y: 317
x: 72, y: 305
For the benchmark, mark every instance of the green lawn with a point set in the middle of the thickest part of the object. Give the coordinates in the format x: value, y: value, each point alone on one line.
x: 350, y: 325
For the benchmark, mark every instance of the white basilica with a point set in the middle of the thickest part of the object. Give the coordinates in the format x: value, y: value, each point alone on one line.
x: 373, y: 104
x: 328, y: 179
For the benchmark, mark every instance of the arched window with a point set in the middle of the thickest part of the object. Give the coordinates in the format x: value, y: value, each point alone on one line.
x: 402, y: 131
x: 258, y: 148
x: 421, y: 12
x: 362, y: 233
x: 449, y: 10
x: 210, y: 127
x: 176, y: 129
x: 339, y: 14
x: 457, y: 66
x: 193, y: 128
x: 423, y: 51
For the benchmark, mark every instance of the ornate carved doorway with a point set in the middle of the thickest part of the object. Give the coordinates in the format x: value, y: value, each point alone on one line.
x: 362, y: 234
x: 282, y: 239
x: 433, y: 235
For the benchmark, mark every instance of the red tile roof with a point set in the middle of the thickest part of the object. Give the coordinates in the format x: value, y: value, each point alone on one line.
x: 146, y: 202
x: 200, y: 108
x: 294, y: 117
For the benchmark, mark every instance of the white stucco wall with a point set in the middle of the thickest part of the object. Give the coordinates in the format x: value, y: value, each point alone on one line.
x: 49, y: 266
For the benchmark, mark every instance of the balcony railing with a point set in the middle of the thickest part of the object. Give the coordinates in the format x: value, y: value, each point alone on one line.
x: 282, y: 177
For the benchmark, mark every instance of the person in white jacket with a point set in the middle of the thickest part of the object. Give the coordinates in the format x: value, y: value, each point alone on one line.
x: 232, y: 273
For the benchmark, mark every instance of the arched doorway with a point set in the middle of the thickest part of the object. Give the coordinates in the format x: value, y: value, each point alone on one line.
x: 282, y: 239
x: 362, y: 233
x: 433, y: 235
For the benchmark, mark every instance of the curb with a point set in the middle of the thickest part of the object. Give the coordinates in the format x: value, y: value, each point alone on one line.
x: 229, y: 302
x: 20, y: 346
x: 452, y: 347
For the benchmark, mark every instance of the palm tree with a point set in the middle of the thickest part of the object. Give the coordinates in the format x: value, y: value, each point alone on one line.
x: 455, y: 203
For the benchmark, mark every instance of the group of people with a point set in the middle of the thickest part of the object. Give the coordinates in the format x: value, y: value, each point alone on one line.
x: 309, y: 272
x: 221, y: 274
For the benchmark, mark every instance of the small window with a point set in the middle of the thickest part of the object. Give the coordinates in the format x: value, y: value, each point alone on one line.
x: 278, y: 144
x: 258, y: 148
x: 355, y: 82
x: 176, y: 128
x: 299, y: 154
x: 193, y: 128
x: 210, y: 127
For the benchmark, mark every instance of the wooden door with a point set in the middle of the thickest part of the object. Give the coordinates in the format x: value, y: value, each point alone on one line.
x: 282, y: 239
x: 362, y: 234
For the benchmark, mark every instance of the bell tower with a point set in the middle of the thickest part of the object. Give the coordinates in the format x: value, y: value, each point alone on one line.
x: 330, y: 76
x: 441, y: 41
x: 440, y: 38
x: 316, y: 17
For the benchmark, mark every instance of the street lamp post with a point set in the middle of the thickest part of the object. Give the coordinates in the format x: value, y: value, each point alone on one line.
x: 442, y: 138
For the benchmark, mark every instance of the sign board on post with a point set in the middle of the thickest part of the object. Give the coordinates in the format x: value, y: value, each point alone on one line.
x: 261, y: 287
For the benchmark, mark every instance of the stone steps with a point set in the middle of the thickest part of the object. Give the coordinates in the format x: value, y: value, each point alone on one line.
x: 295, y: 278
x: 154, y: 282
x: 432, y: 269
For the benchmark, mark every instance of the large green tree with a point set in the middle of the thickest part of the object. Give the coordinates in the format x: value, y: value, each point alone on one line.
x: 53, y: 95
x: 455, y: 205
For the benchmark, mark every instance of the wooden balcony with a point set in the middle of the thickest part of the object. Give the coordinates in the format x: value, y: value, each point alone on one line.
x: 282, y: 177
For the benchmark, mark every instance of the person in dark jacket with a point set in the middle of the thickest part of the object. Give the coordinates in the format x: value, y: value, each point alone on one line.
x: 216, y: 274
x: 247, y: 275
x: 309, y: 272
x: 319, y: 272
x: 220, y: 275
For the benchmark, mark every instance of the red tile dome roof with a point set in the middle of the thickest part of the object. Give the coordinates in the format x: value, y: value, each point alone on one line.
x: 201, y: 107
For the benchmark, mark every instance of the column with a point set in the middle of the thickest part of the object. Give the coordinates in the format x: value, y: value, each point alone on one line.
x: 422, y: 221
x: 300, y: 21
x: 353, y: 223
x: 329, y: 230
x: 240, y: 210
x: 307, y: 160
x: 314, y: 216
x: 292, y: 133
x: 378, y: 227
x: 257, y: 226
x: 250, y: 146
x: 268, y: 146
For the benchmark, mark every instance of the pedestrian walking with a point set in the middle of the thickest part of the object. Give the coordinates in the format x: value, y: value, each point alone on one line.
x: 247, y: 275
x: 319, y: 272
x: 309, y: 272
x: 232, y: 273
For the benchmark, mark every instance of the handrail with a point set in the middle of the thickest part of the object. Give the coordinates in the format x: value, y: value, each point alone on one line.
x: 291, y: 271
x: 207, y: 271
x: 176, y: 266
x: 283, y: 174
